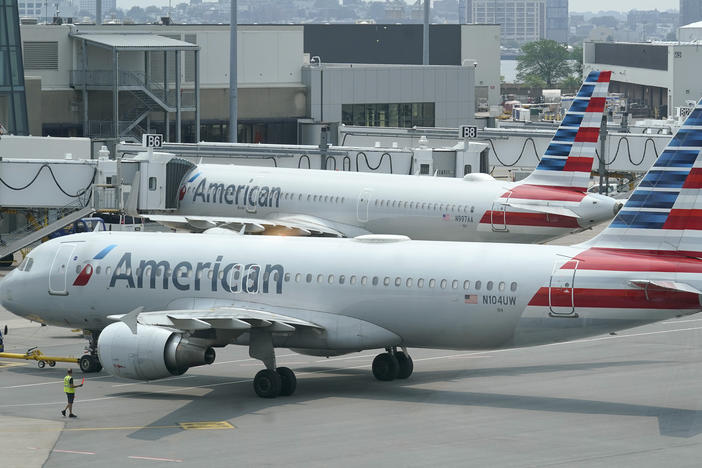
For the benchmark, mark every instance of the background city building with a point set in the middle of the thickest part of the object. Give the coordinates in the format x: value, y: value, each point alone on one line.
x: 520, y: 20
x: 690, y: 11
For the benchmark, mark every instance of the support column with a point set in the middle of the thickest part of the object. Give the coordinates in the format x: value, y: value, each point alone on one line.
x: 197, y: 96
x: 178, y: 97
x: 165, y: 95
x: 84, y: 66
x: 115, y: 92
x: 233, y: 84
x: 147, y: 80
x: 425, y: 41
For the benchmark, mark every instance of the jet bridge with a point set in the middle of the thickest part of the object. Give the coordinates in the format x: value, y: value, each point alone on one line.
x: 632, y: 150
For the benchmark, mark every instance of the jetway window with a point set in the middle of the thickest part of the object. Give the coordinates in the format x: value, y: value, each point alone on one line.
x: 424, y: 169
x: 152, y: 183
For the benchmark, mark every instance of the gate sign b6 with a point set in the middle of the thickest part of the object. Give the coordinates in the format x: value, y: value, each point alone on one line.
x: 468, y: 131
x: 152, y: 140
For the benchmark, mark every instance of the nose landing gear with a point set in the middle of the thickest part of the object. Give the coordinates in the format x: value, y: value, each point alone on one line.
x: 392, y: 364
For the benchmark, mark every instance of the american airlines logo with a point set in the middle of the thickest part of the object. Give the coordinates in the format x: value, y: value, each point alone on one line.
x: 87, y: 272
x: 238, y: 195
x: 208, y: 276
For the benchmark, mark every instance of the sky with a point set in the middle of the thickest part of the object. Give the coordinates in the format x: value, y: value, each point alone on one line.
x: 623, y: 5
x: 575, y: 5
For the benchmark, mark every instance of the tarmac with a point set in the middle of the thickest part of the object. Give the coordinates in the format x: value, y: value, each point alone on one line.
x: 630, y: 399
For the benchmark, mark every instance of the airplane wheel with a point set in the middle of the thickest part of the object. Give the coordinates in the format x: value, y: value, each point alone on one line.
x: 98, y: 365
x: 406, y: 365
x: 52, y: 363
x: 267, y: 383
x: 86, y: 363
x: 288, y: 381
x: 385, y: 367
x: 41, y: 364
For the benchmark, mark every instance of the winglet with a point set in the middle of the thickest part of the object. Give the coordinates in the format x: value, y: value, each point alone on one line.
x: 131, y: 319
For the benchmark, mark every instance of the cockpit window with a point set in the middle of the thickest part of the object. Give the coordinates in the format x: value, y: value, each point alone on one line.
x: 26, y: 264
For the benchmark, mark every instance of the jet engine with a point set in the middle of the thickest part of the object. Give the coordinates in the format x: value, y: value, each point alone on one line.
x: 151, y: 353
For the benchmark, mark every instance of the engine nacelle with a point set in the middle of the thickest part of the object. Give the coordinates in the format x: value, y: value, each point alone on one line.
x: 152, y: 353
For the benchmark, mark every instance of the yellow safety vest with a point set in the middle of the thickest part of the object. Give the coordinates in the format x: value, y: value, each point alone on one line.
x: 67, y: 385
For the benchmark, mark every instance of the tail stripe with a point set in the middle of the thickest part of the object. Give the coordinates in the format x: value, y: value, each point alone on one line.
x: 567, y: 162
x: 665, y: 211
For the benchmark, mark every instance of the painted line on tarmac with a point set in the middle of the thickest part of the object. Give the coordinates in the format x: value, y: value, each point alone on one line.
x: 174, y: 460
x: 39, y: 428
x: 452, y: 356
x: 73, y: 451
x: 53, y: 382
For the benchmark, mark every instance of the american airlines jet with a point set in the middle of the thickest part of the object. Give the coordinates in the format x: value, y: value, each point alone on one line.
x: 175, y: 297
x: 551, y: 202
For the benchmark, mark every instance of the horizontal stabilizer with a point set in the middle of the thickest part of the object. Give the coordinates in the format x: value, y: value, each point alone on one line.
x: 665, y: 284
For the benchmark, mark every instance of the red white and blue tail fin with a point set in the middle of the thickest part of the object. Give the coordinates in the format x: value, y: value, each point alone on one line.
x: 568, y: 160
x: 664, y: 213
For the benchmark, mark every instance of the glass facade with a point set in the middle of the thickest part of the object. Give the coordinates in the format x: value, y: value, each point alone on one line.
x: 13, y: 104
x: 420, y: 114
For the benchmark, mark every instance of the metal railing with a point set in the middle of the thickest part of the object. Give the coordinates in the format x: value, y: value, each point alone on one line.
x: 106, y: 78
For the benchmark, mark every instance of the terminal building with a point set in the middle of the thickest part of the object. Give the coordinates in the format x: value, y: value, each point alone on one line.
x: 116, y: 82
x: 656, y: 77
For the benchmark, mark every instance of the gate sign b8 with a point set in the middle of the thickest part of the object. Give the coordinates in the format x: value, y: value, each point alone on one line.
x: 152, y: 140
x: 468, y: 131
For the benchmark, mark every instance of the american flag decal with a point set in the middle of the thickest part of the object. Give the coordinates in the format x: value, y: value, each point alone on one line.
x: 446, y: 217
x: 471, y: 299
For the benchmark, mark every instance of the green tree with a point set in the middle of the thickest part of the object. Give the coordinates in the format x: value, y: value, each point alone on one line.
x: 546, y: 60
x: 571, y: 84
x: 576, y: 55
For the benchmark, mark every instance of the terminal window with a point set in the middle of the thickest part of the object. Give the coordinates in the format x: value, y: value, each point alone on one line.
x: 420, y: 114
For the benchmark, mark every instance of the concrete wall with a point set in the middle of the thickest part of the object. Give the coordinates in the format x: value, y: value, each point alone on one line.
x: 51, y: 79
x: 481, y: 43
x: 451, y: 88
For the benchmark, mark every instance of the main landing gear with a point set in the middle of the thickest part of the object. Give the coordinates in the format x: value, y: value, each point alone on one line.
x: 90, y: 362
x: 393, y: 364
x: 272, y: 381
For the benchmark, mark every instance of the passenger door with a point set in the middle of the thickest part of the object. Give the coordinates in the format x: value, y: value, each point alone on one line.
x: 58, y: 275
x: 561, y: 291
x: 362, y: 205
x: 498, y: 214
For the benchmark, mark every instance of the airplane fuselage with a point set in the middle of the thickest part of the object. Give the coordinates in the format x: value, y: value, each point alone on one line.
x: 430, y: 294
x: 423, y: 208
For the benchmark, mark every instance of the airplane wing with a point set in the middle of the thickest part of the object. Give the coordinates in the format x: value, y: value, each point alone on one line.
x: 665, y: 284
x: 222, y: 318
x: 288, y: 226
x: 556, y: 210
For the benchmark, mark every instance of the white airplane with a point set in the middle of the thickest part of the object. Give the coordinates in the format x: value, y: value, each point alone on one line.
x: 551, y: 202
x: 175, y: 297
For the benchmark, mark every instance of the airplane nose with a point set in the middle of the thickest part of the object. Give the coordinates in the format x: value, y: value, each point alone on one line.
x: 4, y: 289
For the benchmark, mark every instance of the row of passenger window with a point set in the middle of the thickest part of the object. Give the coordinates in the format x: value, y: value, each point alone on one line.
x: 424, y: 206
x: 397, y: 281
x: 314, y: 198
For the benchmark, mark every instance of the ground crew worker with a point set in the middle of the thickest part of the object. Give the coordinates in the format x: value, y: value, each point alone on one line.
x: 69, y: 388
